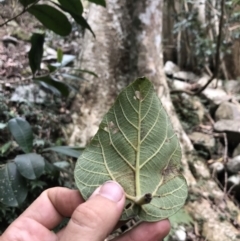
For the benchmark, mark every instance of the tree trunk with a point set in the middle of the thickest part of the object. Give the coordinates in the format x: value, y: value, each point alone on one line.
x: 128, y: 45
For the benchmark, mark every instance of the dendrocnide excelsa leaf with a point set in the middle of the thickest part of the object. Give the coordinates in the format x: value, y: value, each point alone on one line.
x: 137, y: 147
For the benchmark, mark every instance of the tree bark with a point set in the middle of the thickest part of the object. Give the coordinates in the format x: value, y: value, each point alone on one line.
x: 128, y: 45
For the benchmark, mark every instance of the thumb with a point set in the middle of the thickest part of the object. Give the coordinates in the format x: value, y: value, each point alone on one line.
x: 96, y: 218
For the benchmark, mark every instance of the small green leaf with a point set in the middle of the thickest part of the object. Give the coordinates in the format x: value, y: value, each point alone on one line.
x: 60, y: 86
x: 52, y: 170
x: 3, y: 125
x: 72, y: 77
x: 181, y: 217
x: 5, y: 147
x: 22, y: 133
x: 72, y: 6
x: 86, y: 71
x: 30, y: 166
x: 137, y: 147
x: 62, y: 164
x: 59, y: 55
x: 36, y: 52
x: 13, y: 189
x: 66, y: 59
x: 99, y: 2
x: 52, y: 19
x: 66, y: 150
x: 49, y: 87
x: 26, y: 3
x: 51, y: 68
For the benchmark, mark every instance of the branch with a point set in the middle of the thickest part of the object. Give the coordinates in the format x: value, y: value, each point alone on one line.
x: 217, y: 59
x: 25, y: 9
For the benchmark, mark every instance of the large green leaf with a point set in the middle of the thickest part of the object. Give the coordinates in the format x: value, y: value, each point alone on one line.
x: 66, y: 150
x: 30, y: 166
x: 99, y: 2
x: 73, y: 6
x: 76, y: 16
x: 36, y: 52
x: 51, y: 18
x: 25, y: 3
x: 137, y: 147
x: 83, y: 22
x: 13, y: 188
x: 52, y: 82
x: 22, y: 133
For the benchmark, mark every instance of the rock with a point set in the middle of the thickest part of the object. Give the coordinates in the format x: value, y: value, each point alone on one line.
x: 234, y: 180
x: 180, y: 233
x: 199, y: 168
x: 236, y: 151
x: 186, y: 76
x: 232, y: 87
x: 190, y: 109
x: 233, y: 165
x: 170, y: 68
x: 232, y: 130
x: 228, y: 111
x: 1, y: 63
x: 205, y: 78
x: 233, y: 184
x: 217, y: 167
x: 9, y: 40
x: 216, y: 96
x: 198, y: 108
x: 227, y: 126
x: 203, y: 142
x: 29, y: 93
x: 180, y: 85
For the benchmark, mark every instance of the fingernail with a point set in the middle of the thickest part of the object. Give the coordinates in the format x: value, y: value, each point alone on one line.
x: 112, y: 191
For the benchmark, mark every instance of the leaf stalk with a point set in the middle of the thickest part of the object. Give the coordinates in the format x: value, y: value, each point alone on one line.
x: 144, y: 199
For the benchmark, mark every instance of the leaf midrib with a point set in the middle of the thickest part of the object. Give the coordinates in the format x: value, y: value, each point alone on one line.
x: 137, y: 169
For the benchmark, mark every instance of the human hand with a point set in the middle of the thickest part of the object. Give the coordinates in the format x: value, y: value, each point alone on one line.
x: 92, y: 220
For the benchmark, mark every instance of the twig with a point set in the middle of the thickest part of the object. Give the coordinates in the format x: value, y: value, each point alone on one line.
x: 208, y: 70
x: 25, y: 9
x: 217, y: 59
x: 230, y: 189
x: 225, y: 160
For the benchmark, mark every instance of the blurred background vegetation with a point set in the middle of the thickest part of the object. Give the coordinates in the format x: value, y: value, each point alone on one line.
x: 41, y: 42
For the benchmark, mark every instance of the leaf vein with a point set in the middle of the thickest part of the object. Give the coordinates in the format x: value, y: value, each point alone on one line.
x: 119, y: 153
x: 126, y: 116
x: 157, y: 151
x: 149, y: 131
x: 148, y: 109
x: 131, y: 103
x: 88, y: 159
x: 123, y: 132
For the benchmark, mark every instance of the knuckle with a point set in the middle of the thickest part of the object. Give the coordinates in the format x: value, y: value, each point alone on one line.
x: 86, y: 217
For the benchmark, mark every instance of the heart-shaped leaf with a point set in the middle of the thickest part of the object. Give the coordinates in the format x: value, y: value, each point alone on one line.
x: 137, y: 147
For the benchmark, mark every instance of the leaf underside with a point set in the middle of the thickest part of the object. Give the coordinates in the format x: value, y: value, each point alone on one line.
x: 137, y: 147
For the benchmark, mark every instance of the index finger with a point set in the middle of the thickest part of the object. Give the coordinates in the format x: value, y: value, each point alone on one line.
x: 53, y: 205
